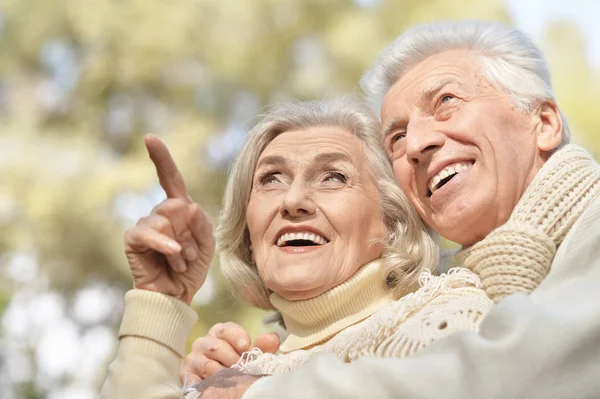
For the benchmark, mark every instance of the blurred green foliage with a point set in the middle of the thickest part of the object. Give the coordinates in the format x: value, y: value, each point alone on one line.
x: 82, y: 81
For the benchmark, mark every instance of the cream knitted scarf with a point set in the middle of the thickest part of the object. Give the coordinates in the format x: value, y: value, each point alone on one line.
x: 516, y: 256
x: 443, y: 305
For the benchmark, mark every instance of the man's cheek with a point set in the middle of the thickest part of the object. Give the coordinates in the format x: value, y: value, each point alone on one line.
x: 397, y: 173
x: 404, y: 180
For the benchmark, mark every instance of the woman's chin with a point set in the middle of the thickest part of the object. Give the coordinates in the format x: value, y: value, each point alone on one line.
x: 299, y: 287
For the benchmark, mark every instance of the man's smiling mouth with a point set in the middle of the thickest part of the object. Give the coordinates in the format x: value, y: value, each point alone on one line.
x: 447, y: 174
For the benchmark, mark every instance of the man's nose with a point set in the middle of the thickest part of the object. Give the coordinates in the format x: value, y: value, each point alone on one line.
x: 421, y: 142
x: 297, y: 201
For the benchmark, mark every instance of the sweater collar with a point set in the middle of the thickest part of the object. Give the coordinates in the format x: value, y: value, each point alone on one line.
x: 315, y: 320
x: 517, y: 256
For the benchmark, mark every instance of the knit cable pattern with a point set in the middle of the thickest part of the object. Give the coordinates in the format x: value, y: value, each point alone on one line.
x: 516, y: 256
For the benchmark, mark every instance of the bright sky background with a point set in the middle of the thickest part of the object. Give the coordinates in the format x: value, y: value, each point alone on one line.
x: 533, y: 17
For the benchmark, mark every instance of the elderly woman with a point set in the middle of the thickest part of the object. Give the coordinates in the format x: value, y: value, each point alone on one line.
x: 313, y: 226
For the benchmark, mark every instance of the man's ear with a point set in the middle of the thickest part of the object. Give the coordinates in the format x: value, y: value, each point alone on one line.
x: 550, y: 129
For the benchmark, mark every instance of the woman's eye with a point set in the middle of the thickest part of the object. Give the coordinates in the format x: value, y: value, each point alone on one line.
x: 335, y: 177
x: 269, y: 178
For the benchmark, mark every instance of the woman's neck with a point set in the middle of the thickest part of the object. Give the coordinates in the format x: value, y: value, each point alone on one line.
x: 315, y: 320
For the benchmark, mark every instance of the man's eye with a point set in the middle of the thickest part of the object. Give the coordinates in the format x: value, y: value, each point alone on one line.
x: 446, y: 98
x: 397, y: 137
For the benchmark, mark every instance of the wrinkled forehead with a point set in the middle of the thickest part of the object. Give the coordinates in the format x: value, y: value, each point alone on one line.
x: 318, y: 143
x: 456, y: 69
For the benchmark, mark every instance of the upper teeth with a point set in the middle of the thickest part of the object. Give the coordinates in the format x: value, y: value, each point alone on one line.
x: 447, y: 171
x: 301, y: 235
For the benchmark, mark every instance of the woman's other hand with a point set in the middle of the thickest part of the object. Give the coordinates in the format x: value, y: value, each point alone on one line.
x: 170, y: 250
x: 221, y: 348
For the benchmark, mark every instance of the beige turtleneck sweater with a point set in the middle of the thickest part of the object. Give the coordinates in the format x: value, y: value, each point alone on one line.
x: 360, y: 317
x: 312, y: 321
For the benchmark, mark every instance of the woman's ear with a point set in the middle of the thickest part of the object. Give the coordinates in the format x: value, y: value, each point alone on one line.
x: 550, y: 129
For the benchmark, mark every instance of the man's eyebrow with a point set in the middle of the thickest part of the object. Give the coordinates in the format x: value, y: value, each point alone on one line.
x: 391, y: 125
x: 271, y: 160
x: 429, y: 92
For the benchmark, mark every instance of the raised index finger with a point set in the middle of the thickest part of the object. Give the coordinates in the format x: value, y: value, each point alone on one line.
x: 168, y: 175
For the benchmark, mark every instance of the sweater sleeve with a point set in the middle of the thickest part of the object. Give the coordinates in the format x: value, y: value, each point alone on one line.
x: 152, y: 340
x: 538, y: 346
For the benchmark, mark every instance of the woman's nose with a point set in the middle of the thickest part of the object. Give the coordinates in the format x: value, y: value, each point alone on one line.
x: 297, y: 201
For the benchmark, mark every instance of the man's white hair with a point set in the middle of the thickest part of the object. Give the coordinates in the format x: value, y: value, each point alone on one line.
x: 509, y: 60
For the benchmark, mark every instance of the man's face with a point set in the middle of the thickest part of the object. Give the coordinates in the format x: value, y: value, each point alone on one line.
x: 460, y: 150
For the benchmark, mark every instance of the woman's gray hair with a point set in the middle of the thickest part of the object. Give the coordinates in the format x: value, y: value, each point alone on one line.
x: 509, y: 60
x: 411, y: 247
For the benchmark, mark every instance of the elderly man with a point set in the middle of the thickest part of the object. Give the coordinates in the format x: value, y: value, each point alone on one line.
x: 480, y: 148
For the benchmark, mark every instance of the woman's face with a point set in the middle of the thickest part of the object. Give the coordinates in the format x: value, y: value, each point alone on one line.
x: 314, y: 214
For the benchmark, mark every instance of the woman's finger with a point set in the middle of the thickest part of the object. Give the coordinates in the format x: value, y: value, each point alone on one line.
x: 162, y: 224
x: 141, y: 238
x: 175, y: 210
x: 168, y: 174
x: 186, y: 231
x: 268, y: 343
x: 233, y: 334
x: 202, y: 232
x: 201, y: 367
x: 188, y: 378
x: 217, y: 350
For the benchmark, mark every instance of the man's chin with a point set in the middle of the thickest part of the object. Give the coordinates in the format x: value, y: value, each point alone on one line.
x: 464, y: 218
x: 456, y: 228
x: 462, y: 232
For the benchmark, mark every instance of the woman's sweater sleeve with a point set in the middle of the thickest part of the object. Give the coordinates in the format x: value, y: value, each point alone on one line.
x: 152, y: 341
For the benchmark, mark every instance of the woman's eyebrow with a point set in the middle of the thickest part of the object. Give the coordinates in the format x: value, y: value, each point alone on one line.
x: 271, y: 160
x: 324, y: 158
x: 331, y: 157
x: 328, y: 159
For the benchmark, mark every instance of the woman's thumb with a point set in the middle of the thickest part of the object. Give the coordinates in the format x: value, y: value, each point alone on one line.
x: 268, y: 343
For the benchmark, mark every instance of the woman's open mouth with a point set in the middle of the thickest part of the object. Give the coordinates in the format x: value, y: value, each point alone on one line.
x: 301, y: 239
